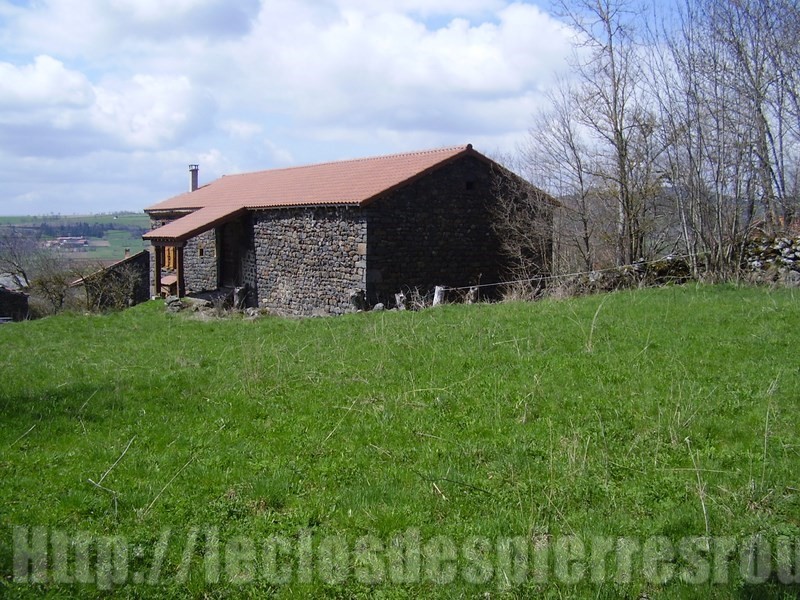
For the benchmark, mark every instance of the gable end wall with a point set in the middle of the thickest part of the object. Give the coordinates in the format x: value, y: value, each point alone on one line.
x: 436, y: 231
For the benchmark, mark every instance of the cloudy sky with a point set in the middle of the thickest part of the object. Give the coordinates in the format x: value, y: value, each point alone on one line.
x: 104, y: 103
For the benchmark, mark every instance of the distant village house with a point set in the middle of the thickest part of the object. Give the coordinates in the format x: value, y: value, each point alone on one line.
x: 68, y: 243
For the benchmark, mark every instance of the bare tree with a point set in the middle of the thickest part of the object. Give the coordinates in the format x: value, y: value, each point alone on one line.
x: 51, y: 282
x: 523, y: 220
x: 758, y: 37
x: 608, y: 106
x: 726, y: 96
x: 41, y: 271
x: 18, y: 256
x: 685, y: 139
x: 557, y: 156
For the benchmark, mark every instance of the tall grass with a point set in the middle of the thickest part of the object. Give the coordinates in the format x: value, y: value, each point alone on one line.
x: 669, y: 412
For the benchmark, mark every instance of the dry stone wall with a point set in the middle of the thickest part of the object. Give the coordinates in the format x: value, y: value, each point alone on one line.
x: 774, y: 259
x: 308, y: 259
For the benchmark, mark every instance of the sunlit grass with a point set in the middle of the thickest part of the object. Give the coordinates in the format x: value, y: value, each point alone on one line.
x: 670, y: 412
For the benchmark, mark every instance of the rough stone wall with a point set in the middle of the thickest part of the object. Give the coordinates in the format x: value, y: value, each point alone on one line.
x: 199, y: 257
x: 309, y: 258
x: 126, y: 283
x: 13, y: 304
x: 774, y: 259
x: 200, y: 262
x: 436, y: 231
x: 139, y: 265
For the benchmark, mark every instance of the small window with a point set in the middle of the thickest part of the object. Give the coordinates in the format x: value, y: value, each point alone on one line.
x: 201, y: 252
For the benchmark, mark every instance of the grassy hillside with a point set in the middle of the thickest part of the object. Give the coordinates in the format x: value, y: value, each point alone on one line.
x: 622, y: 445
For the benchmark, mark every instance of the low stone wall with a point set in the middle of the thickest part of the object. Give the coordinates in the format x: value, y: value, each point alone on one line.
x: 13, y: 304
x: 774, y: 259
x: 309, y: 258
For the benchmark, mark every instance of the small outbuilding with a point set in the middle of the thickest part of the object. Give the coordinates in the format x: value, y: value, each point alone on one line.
x: 304, y: 239
x: 13, y: 305
x: 119, y: 285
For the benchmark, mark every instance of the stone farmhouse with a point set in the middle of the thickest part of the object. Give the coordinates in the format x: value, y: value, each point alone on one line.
x: 303, y: 239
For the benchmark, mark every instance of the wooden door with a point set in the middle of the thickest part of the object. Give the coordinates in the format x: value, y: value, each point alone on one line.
x: 231, y: 259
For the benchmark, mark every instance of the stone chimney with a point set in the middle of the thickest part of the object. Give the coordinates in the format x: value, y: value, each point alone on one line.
x: 193, y: 170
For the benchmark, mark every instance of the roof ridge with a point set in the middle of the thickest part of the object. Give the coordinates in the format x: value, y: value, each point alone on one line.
x: 357, y: 160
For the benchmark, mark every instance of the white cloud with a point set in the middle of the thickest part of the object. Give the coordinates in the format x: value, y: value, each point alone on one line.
x: 362, y: 68
x: 96, y: 28
x: 44, y: 82
x: 150, y: 111
x: 424, y: 7
x: 260, y: 83
x: 54, y: 112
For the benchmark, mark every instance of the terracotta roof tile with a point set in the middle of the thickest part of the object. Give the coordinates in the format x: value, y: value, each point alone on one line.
x: 349, y: 182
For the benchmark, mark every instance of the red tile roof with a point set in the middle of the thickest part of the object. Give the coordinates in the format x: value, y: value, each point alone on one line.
x: 348, y: 183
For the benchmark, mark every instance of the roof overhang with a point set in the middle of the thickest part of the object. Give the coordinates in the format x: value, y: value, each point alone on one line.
x: 195, y: 223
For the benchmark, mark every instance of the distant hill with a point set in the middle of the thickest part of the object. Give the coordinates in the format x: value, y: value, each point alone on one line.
x: 120, y: 220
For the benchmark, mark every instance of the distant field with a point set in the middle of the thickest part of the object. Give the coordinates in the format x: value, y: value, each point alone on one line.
x: 122, y: 219
x: 642, y: 444
x: 118, y: 239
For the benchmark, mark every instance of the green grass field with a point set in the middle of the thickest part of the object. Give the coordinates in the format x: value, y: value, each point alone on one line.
x: 137, y: 219
x: 625, y: 445
x: 118, y: 242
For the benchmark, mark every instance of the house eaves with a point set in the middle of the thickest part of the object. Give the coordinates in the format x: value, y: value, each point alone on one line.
x: 193, y: 224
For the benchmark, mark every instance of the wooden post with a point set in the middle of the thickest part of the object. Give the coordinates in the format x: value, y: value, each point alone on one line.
x: 400, y: 301
x: 158, y: 251
x: 179, y: 271
x: 438, y: 295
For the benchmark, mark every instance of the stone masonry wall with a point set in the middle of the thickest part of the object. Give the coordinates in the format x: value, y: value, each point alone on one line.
x: 199, y: 258
x: 200, y: 262
x: 436, y: 231
x: 309, y: 258
x: 774, y: 259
